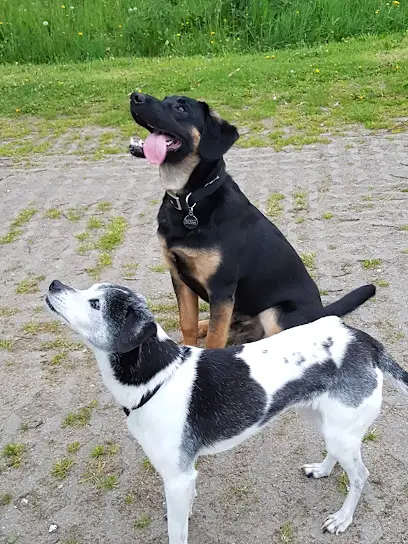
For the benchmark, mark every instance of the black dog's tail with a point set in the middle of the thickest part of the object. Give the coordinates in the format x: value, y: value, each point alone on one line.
x: 350, y: 302
x: 393, y: 371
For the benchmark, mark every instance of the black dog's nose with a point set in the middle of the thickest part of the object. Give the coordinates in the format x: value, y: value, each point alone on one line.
x: 139, y: 98
x: 56, y: 286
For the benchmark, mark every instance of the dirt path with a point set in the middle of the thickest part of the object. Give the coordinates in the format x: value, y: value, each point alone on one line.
x: 255, y: 493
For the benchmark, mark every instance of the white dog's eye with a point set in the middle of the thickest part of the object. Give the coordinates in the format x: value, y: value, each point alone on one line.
x: 95, y: 304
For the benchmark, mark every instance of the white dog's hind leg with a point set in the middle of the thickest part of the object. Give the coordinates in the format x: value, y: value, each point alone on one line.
x: 320, y: 470
x: 180, y: 493
x: 349, y: 457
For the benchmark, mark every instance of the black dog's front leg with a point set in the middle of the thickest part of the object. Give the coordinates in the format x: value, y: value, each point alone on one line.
x: 221, y: 309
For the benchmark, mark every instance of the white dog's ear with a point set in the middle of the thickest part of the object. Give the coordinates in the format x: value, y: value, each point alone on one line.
x: 135, y: 331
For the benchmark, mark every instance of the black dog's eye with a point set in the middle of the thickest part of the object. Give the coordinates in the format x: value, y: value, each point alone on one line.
x: 180, y: 108
x: 95, y: 304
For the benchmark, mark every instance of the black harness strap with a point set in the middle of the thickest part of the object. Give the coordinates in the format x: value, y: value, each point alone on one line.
x: 146, y: 397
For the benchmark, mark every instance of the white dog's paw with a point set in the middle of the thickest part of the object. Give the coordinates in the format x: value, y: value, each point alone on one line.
x: 337, y: 523
x: 315, y: 470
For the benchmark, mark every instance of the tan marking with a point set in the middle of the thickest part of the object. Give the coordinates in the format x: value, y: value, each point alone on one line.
x: 203, y: 328
x: 196, y: 137
x: 202, y: 264
x: 187, y: 300
x: 188, y: 311
x: 218, y: 327
x: 269, y: 321
x: 174, y: 176
x: 216, y: 116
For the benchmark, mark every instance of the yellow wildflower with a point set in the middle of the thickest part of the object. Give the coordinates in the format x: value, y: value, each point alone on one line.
x: 377, y: 11
x: 178, y: 35
x: 120, y: 26
x: 80, y: 33
x: 361, y: 97
x: 1, y: 22
x: 212, y: 33
x: 62, y: 7
x: 397, y: 67
x: 396, y: 3
x: 18, y: 110
x: 212, y: 41
x: 316, y: 71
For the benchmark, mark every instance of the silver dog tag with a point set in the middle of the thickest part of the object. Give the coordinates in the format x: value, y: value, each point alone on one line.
x: 190, y: 221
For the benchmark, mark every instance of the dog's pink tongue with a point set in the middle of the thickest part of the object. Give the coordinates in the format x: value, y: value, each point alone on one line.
x: 155, y: 148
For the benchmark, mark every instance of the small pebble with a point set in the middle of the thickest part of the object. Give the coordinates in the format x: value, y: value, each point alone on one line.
x: 52, y: 528
x: 24, y: 501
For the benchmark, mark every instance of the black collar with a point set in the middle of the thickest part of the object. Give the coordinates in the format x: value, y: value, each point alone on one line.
x: 189, y: 200
x: 146, y: 397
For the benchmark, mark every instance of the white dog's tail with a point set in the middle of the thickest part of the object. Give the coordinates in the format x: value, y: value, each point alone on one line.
x: 392, y: 369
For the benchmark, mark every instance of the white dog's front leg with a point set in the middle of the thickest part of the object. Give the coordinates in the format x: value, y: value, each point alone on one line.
x: 180, y: 491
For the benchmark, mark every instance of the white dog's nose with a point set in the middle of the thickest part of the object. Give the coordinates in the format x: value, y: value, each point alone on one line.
x: 56, y: 285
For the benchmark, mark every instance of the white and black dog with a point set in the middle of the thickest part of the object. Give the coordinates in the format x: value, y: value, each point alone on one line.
x: 183, y: 401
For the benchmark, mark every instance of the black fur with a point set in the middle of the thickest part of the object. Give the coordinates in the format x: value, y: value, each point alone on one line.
x: 140, y: 365
x: 224, y: 402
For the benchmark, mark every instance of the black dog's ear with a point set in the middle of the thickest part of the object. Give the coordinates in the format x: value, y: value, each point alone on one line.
x: 217, y: 136
x: 134, y: 333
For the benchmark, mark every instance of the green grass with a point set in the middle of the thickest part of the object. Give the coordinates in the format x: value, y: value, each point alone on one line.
x: 148, y: 467
x: 170, y: 323
x: 104, y: 206
x: 94, y: 223
x: 60, y: 343
x: 80, y: 418
x: 360, y: 82
x: 73, y: 447
x: 343, y: 483
x: 75, y: 214
x: 114, y: 234
x: 327, y: 215
x: 382, y: 283
x: 369, y: 264
x: 403, y: 227
x: 6, y: 344
x: 309, y: 260
x: 13, y: 454
x: 129, y: 270
x: 160, y: 268
x: 48, y: 31
x: 274, y: 205
x: 37, y: 327
x: 8, y: 312
x: 143, y: 522
x: 371, y: 436
x: 15, y: 230
x: 58, y: 358
x: 52, y: 213
x: 286, y: 533
x: 29, y: 286
x: 299, y: 200
x: 99, y: 475
x: 62, y: 467
x: 101, y: 450
x: 5, y: 499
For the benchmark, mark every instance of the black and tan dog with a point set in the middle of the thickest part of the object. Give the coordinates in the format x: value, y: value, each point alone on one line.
x: 217, y: 245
